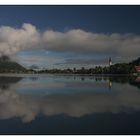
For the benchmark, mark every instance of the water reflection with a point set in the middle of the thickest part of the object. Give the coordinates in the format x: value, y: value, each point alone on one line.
x: 70, y: 95
x: 6, y: 82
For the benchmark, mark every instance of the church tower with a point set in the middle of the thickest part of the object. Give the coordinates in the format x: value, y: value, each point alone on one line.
x: 110, y: 61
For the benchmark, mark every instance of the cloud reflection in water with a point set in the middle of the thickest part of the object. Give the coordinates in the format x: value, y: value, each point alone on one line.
x: 122, y: 98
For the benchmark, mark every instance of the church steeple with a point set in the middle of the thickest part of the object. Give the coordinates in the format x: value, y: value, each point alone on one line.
x: 110, y: 61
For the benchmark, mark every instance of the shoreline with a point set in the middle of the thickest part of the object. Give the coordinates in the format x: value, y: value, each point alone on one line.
x: 66, y: 74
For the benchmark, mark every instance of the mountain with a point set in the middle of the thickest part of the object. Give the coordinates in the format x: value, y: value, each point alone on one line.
x: 34, y: 67
x: 8, y: 66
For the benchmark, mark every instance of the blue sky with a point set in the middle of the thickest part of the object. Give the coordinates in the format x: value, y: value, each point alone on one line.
x: 106, y: 20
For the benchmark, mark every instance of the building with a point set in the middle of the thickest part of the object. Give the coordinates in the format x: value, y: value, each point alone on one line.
x: 137, y: 79
x: 110, y: 61
x: 137, y: 69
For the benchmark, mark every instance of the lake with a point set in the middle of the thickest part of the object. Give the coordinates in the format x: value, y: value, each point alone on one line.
x: 69, y: 104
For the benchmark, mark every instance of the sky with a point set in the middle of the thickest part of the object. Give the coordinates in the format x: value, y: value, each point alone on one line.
x: 69, y: 36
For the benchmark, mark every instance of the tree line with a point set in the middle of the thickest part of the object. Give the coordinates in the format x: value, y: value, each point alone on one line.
x: 119, y: 68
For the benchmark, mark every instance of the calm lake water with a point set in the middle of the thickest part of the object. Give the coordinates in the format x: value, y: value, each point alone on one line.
x: 68, y: 104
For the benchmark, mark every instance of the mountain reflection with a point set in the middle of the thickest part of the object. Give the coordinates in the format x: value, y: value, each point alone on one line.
x: 5, y: 82
x: 122, y: 96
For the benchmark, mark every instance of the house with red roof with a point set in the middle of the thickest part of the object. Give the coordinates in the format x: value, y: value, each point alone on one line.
x: 137, y: 69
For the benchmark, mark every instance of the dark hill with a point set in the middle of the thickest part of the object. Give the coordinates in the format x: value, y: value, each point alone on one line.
x: 7, y: 66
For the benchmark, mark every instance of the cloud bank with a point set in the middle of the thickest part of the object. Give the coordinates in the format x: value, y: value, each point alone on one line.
x: 13, y: 40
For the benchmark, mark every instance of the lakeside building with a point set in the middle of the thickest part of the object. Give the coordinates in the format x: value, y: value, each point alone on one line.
x: 137, y: 69
x: 110, y: 61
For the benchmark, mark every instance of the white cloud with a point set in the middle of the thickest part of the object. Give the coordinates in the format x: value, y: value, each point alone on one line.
x: 13, y: 40
x: 80, y: 41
